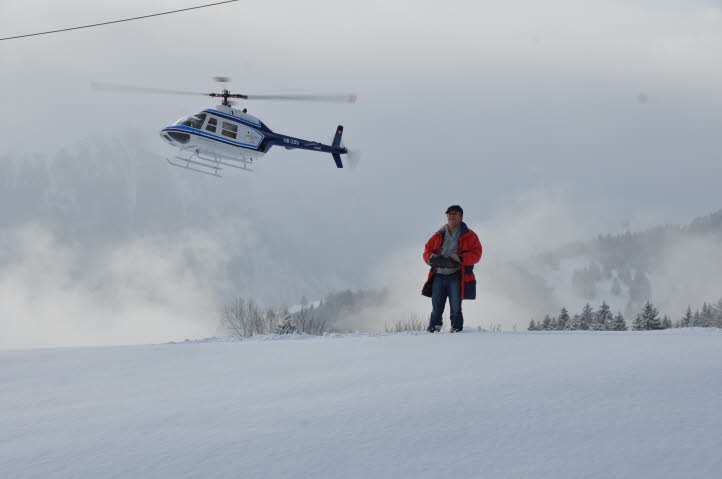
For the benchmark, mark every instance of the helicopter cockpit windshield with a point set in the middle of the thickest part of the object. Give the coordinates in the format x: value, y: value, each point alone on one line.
x: 193, y: 121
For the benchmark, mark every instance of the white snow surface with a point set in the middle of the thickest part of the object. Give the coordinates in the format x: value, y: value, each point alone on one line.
x: 475, y: 404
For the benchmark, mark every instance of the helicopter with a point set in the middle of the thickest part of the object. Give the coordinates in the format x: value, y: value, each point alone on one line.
x: 225, y: 136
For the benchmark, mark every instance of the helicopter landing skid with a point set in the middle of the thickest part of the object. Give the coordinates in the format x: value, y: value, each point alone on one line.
x: 208, y: 165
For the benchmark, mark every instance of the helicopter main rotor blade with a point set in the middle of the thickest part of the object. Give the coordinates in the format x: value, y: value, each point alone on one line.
x: 116, y: 86
x: 335, y: 98
x: 344, y: 98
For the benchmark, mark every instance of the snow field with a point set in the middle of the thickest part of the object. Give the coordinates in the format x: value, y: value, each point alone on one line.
x: 536, y: 405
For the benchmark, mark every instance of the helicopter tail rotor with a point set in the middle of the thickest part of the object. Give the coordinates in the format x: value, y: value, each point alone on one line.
x: 337, y: 145
x: 337, y: 137
x: 352, y: 157
x: 337, y: 159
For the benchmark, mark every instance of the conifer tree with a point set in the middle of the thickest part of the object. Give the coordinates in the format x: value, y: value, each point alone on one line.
x: 546, y: 323
x: 696, y: 320
x: 532, y: 326
x: 666, y: 322
x: 554, y: 324
x: 587, y: 317
x: 717, y: 310
x: 603, y: 318
x: 563, y: 321
x: 686, y: 321
x: 618, y: 323
x: 707, y: 316
x: 575, y: 323
x: 653, y: 321
x: 648, y: 318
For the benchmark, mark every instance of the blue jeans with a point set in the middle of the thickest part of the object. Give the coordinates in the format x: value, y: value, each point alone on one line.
x: 446, y: 286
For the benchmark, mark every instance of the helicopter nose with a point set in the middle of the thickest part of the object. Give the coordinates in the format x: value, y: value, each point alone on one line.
x: 164, y: 135
x: 175, y: 138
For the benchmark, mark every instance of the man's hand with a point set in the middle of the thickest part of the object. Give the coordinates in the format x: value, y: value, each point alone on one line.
x: 437, y: 261
x: 455, y: 257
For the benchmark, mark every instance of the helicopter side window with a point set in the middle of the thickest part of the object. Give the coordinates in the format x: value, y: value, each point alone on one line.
x: 212, y: 124
x: 229, y: 129
x: 195, y: 121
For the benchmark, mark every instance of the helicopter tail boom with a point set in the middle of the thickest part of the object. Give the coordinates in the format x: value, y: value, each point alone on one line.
x: 291, y: 143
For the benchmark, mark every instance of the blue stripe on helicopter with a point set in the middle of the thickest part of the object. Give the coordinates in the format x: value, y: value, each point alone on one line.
x: 231, y: 117
x: 186, y: 129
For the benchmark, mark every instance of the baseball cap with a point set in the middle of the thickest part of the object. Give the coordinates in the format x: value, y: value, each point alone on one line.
x: 455, y: 208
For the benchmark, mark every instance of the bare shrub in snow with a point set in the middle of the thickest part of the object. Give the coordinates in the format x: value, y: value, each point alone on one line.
x: 242, y: 317
x: 245, y: 318
x: 309, y: 322
x: 412, y: 323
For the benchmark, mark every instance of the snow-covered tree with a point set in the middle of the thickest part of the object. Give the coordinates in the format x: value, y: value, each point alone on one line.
x: 648, y: 318
x: 717, y: 311
x: 707, y: 316
x: 638, y: 324
x: 603, y: 318
x: 532, y: 326
x: 554, y: 324
x: 563, y: 322
x: 618, y: 323
x: 666, y: 322
x: 686, y: 321
x: 587, y: 317
x: 696, y: 320
x: 652, y: 315
x: 546, y: 323
x: 575, y: 323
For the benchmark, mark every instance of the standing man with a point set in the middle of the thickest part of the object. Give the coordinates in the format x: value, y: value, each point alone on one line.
x: 452, y: 253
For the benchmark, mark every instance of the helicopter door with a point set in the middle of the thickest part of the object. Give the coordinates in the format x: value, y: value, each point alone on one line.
x: 212, y: 124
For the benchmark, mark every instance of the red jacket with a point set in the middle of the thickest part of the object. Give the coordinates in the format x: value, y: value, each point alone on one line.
x: 469, y: 252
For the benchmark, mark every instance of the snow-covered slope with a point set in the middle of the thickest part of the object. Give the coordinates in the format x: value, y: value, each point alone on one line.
x: 509, y: 405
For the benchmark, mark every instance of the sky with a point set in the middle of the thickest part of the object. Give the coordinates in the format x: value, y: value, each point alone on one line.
x: 593, y: 115
x: 617, y: 102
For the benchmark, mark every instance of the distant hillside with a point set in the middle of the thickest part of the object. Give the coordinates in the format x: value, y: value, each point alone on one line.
x: 625, y: 266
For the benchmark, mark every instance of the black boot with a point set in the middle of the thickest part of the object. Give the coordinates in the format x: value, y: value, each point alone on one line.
x: 457, y: 322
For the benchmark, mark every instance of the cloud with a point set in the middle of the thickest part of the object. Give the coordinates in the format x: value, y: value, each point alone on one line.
x: 147, y: 290
x: 688, y: 276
